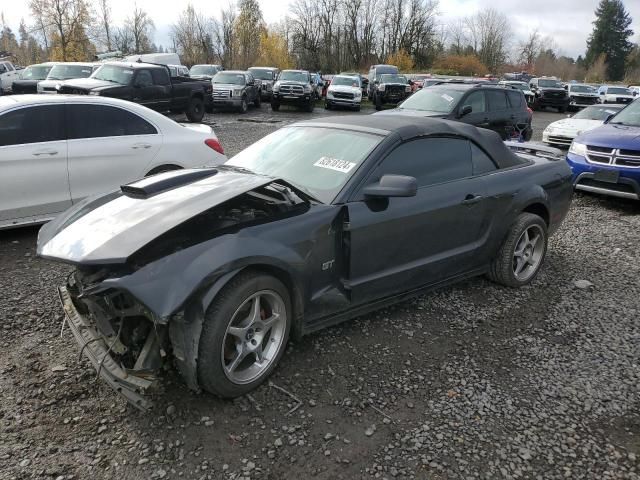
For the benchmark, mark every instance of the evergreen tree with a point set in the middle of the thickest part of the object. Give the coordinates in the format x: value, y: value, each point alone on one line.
x: 610, y: 37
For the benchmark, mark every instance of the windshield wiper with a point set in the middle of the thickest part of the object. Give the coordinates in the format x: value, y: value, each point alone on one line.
x: 303, y: 190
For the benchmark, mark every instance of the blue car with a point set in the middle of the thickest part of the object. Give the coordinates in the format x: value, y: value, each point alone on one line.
x: 606, y: 159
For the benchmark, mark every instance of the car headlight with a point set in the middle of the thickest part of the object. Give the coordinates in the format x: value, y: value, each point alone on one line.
x: 578, y: 149
x: 276, y: 87
x: 381, y: 88
x: 94, y: 93
x: 329, y: 93
x: 307, y: 89
x: 358, y: 94
x: 237, y: 92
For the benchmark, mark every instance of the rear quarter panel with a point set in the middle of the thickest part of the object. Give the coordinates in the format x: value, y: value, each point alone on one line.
x: 511, y: 191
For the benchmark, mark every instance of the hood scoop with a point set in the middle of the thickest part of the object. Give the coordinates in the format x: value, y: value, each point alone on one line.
x: 150, y: 186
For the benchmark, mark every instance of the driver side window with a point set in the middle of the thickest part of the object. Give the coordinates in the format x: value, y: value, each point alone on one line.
x: 477, y: 102
x: 144, y: 79
x: 430, y: 160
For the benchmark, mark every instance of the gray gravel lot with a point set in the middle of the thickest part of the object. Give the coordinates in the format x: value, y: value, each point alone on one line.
x: 474, y: 381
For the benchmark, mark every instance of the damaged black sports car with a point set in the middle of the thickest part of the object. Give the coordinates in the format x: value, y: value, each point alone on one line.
x: 312, y: 225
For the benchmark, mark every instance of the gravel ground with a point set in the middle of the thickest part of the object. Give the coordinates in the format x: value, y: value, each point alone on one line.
x: 474, y: 381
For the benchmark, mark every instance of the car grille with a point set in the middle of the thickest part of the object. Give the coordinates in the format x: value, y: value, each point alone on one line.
x: 291, y: 90
x: 49, y: 89
x: 222, y: 94
x: 345, y: 95
x: 613, y: 156
x: 585, y: 100
x: 623, y: 100
x: 74, y: 91
x: 560, y: 140
x: 553, y: 94
x: 395, y: 90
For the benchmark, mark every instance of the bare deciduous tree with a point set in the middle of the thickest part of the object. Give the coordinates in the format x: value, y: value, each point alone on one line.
x: 141, y: 28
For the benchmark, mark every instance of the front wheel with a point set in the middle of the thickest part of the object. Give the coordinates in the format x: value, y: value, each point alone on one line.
x: 275, y: 106
x: 244, y: 335
x: 378, y: 102
x: 195, y: 110
x: 244, y: 106
x: 562, y: 109
x: 309, y: 106
x: 257, y: 102
x: 522, y: 253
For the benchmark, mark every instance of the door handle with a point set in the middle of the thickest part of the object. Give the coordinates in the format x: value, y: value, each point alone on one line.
x: 141, y: 145
x: 472, y: 199
x: 45, y: 152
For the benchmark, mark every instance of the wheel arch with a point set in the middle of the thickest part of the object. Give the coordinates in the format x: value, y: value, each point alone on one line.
x: 165, y: 167
x: 539, y: 209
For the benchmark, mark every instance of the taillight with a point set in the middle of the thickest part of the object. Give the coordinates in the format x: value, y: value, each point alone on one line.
x: 215, y: 144
x: 530, y: 112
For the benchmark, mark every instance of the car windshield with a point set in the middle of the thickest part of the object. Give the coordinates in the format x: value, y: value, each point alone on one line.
x: 619, y: 91
x: 66, y: 72
x: 294, y: 76
x: 389, y: 78
x: 318, y: 160
x: 36, y: 72
x: 439, y: 100
x: 203, y: 70
x: 598, y: 112
x: 518, y: 85
x: 262, y: 73
x: 628, y: 116
x: 114, y: 74
x: 581, y: 89
x: 229, y: 78
x: 549, y: 83
x: 345, y: 81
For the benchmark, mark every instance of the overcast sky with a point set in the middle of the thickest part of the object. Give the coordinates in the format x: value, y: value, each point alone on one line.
x: 567, y: 21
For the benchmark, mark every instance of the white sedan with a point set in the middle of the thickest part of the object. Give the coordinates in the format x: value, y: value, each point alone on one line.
x: 56, y: 150
x: 564, y: 131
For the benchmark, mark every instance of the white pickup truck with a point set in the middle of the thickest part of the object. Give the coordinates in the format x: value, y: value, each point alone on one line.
x: 8, y: 74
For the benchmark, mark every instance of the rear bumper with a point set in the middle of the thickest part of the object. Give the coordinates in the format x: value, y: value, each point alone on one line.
x: 552, y: 102
x: 131, y: 387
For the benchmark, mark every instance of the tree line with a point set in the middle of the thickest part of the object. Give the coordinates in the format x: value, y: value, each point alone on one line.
x: 328, y: 36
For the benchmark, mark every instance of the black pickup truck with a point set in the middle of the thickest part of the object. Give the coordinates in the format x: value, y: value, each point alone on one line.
x: 147, y: 84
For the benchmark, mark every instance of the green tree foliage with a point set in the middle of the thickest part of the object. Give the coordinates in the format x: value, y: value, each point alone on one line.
x: 248, y: 27
x: 610, y: 37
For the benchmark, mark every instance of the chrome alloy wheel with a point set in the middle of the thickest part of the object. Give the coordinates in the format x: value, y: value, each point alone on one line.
x: 254, y: 336
x: 528, y: 253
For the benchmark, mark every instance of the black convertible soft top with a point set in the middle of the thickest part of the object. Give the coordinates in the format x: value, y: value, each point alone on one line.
x: 408, y: 127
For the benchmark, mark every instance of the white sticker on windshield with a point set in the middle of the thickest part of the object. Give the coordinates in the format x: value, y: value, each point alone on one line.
x: 448, y: 98
x: 128, y: 72
x: 334, y: 164
x: 611, y: 111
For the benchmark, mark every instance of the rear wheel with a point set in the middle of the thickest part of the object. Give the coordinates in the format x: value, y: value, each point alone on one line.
x: 257, y: 102
x: 522, y: 253
x: 244, y: 335
x: 195, y: 110
x: 275, y: 106
x: 309, y: 106
x: 327, y: 105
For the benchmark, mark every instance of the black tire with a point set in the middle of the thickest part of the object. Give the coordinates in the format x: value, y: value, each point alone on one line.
x: 377, y: 101
x: 257, y: 102
x: 562, y: 109
x: 327, y: 105
x: 528, y: 133
x: 357, y: 108
x: 244, y: 106
x: 195, y: 110
x: 309, y: 106
x: 162, y: 169
x: 275, y: 106
x: 211, y: 374
x: 502, y: 266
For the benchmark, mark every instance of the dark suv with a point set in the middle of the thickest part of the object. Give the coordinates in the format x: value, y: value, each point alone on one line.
x: 487, y: 106
x: 549, y: 92
x: 389, y: 88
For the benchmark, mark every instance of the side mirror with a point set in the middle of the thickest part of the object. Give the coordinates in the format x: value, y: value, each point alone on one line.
x: 392, y: 186
x: 466, y: 110
x: 606, y: 120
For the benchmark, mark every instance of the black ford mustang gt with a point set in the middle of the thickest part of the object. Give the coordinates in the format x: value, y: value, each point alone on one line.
x: 314, y: 224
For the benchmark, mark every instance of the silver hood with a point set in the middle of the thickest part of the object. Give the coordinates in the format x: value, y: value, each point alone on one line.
x: 109, y: 228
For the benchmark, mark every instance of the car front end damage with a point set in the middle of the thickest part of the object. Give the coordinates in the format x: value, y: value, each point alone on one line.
x: 141, y: 284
